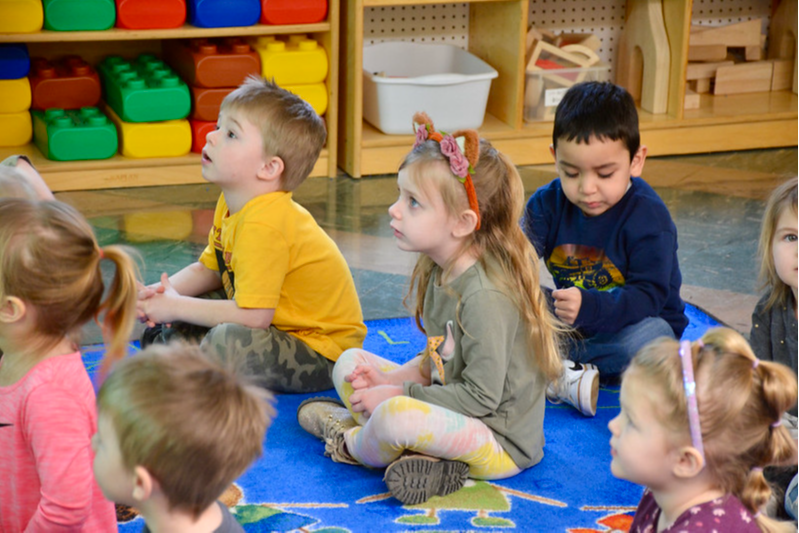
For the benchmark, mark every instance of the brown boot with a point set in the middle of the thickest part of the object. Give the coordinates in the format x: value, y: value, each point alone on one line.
x: 335, y: 445
x: 414, y: 479
x: 314, y: 413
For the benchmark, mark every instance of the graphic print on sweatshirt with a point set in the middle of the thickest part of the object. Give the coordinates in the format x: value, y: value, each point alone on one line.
x: 587, y: 267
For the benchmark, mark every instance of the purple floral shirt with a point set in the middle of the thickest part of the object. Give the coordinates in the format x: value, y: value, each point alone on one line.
x: 722, y: 515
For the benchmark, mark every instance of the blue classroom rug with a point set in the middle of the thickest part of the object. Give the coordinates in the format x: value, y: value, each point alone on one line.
x: 293, y: 487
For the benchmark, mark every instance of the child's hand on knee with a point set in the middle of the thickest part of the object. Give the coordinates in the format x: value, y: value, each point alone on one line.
x: 367, y: 376
x: 366, y: 400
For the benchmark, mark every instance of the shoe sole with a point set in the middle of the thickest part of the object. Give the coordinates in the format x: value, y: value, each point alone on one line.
x: 417, y: 479
x: 589, y: 390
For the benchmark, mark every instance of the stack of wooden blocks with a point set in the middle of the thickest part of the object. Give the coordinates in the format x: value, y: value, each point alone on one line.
x: 730, y: 60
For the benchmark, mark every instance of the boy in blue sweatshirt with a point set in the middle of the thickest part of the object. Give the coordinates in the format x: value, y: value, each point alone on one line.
x: 608, y: 240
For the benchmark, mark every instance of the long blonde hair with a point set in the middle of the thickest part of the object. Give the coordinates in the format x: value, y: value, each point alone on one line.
x: 51, y: 261
x: 500, y: 196
x: 740, y: 401
x: 782, y: 198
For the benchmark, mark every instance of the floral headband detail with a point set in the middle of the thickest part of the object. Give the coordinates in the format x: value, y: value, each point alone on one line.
x: 461, y: 148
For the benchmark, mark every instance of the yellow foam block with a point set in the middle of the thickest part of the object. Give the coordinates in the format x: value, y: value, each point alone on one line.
x: 169, y: 138
x: 313, y: 93
x: 21, y: 16
x: 144, y: 227
x: 15, y: 95
x: 16, y: 129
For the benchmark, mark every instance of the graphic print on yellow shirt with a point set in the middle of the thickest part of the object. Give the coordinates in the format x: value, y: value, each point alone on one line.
x: 587, y: 267
x: 223, y: 262
x: 440, y: 350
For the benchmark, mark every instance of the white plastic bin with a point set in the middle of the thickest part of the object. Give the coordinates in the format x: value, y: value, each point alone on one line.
x: 544, y: 89
x: 448, y: 83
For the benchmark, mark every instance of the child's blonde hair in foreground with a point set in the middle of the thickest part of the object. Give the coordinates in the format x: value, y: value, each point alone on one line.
x: 290, y: 128
x: 192, y: 424
x: 740, y: 401
x: 500, y: 196
x: 51, y: 261
x: 782, y: 198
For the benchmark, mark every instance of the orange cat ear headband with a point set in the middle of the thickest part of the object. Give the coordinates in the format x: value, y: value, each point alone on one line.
x: 462, y: 149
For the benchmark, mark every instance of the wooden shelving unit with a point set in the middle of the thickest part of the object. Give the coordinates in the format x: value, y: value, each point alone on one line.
x: 497, y: 30
x: 120, y: 171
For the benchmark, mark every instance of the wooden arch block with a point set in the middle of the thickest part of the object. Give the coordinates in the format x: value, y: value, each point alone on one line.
x: 644, y: 56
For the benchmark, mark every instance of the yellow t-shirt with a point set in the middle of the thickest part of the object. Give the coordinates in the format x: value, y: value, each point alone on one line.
x: 277, y: 257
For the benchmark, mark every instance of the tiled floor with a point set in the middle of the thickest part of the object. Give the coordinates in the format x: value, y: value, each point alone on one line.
x: 716, y: 201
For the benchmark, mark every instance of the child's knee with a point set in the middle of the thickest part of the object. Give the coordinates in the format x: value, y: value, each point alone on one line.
x: 399, y: 420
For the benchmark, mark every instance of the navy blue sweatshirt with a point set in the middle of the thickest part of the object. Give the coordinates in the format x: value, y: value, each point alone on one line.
x: 624, y: 260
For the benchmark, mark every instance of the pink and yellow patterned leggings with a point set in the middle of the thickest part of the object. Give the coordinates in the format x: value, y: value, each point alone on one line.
x: 403, y: 423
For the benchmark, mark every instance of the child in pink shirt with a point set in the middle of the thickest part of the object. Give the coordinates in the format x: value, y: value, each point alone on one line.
x: 50, y: 286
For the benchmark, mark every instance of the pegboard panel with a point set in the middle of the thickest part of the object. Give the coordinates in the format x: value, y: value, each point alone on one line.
x: 723, y: 12
x: 433, y: 23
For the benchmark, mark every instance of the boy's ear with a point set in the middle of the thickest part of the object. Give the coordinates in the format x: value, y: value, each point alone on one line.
x: 12, y: 309
x: 552, y: 151
x: 467, y: 223
x: 272, y: 169
x: 143, y: 484
x: 689, y: 462
x: 637, y: 164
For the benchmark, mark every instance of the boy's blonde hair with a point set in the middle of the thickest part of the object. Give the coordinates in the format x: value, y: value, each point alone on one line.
x: 500, y: 196
x: 193, y: 425
x: 782, y: 198
x: 740, y: 401
x: 50, y: 259
x: 290, y: 128
x: 14, y: 185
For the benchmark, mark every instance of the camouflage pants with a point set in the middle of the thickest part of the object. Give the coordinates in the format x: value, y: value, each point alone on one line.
x: 277, y: 360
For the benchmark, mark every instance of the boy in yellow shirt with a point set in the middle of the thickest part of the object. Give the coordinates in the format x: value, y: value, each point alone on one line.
x: 290, y: 306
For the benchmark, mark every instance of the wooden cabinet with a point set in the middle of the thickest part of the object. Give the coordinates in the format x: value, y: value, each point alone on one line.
x: 120, y: 171
x: 496, y: 34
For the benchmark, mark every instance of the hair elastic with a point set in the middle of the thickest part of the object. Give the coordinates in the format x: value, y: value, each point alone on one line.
x: 101, y: 253
x: 462, y: 158
x: 757, y: 469
x: 690, y: 396
x: 777, y: 424
x: 755, y: 363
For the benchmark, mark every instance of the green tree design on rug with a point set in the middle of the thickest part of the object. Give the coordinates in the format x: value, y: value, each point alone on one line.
x: 477, y: 496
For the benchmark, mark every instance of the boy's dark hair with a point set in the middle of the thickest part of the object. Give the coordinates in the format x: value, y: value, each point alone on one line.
x: 599, y: 109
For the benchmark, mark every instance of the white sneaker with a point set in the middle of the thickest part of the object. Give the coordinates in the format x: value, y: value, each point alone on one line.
x: 577, y: 386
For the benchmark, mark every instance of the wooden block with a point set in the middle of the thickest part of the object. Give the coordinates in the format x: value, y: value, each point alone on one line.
x: 533, y: 36
x: 588, y: 40
x: 754, y: 53
x: 691, y: 99
x: 701, y: 85
x: 707, y: 52
x: 696, y: 71
x: 547, y: 56
x: 644, y: 56
x: 589, y: 55
x: 738, y: 34
x: 782, y: 36
x: 782, y: 75
x: 744, y: 78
